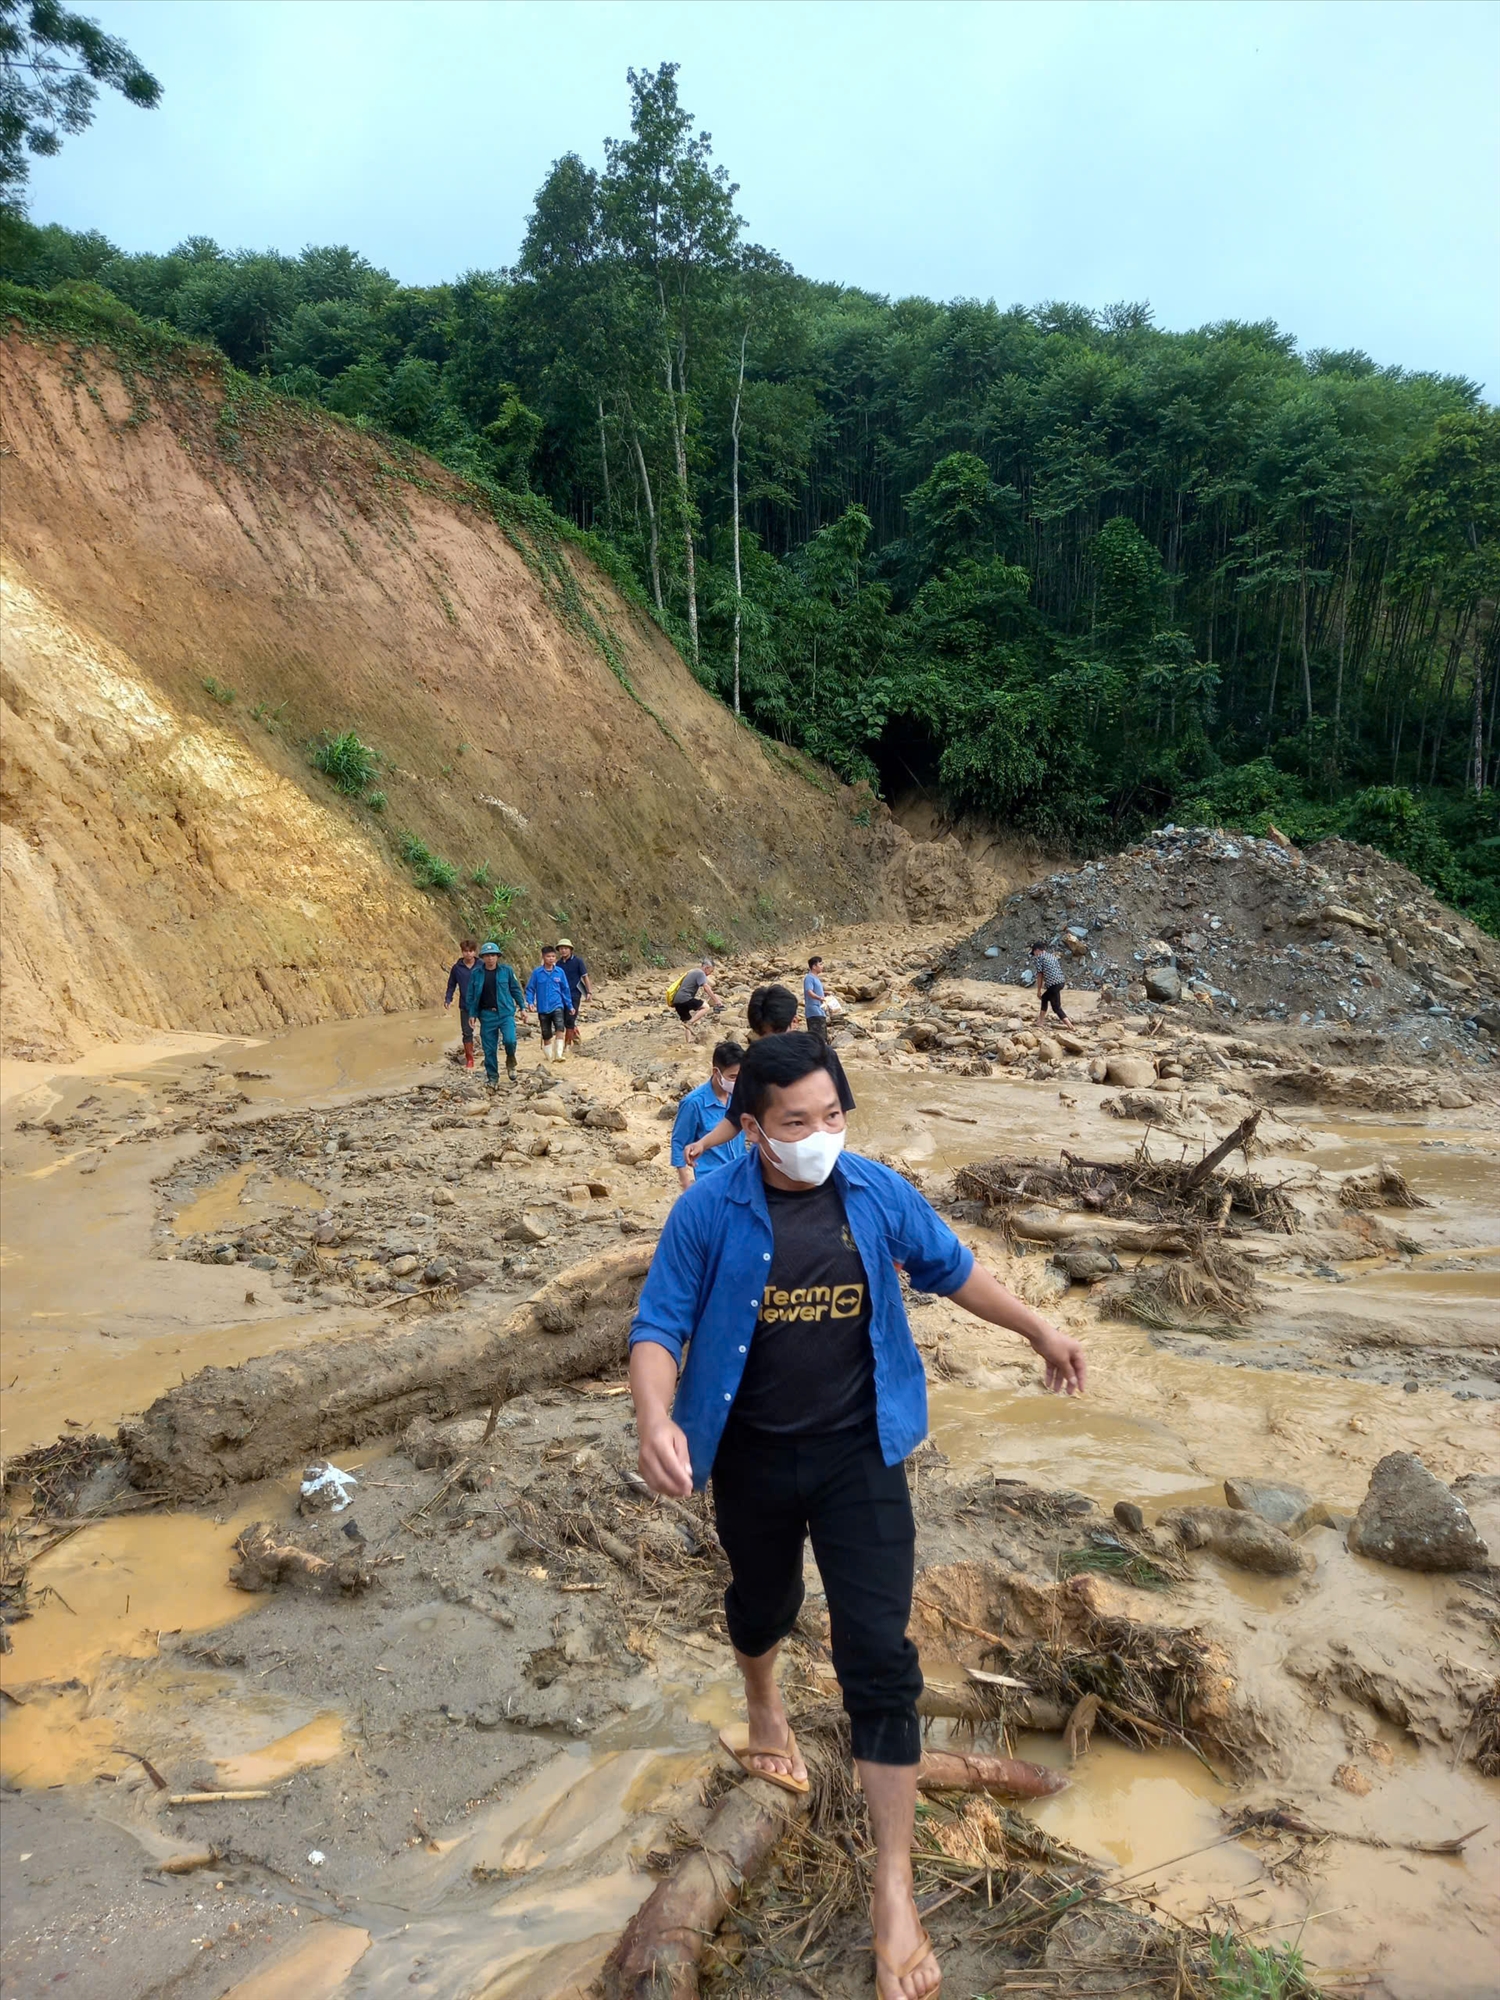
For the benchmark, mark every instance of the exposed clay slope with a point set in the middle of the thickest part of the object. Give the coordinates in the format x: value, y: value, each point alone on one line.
x: 174, y: 861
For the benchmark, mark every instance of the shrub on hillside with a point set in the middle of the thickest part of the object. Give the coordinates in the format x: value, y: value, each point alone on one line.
x: 345, y: 761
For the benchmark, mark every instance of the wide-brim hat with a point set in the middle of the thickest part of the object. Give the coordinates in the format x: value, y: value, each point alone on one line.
x: 489, y: 951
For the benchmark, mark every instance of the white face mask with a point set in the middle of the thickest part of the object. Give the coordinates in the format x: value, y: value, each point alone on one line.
x: 808, y: 1161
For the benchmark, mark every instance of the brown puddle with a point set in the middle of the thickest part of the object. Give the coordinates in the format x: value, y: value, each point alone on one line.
x: 233, y: 1201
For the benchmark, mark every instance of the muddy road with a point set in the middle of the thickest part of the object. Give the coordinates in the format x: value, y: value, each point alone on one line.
x: 464, y: 1771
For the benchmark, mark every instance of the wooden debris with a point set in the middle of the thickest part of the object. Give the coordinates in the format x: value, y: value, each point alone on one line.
x: 261, y: 1563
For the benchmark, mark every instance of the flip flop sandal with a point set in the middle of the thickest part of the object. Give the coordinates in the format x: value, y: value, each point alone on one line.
x: 736, y: 1740
x: 924, y: 1950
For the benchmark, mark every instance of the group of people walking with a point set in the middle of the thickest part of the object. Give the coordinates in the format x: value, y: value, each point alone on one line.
x: 491, y: 998
x: 771, y: 1359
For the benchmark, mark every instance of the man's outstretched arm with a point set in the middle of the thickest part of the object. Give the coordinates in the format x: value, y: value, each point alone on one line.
x: 1063, y: 1357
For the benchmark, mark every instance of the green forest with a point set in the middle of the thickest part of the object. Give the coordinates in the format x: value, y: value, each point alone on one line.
x: 1055, y: 566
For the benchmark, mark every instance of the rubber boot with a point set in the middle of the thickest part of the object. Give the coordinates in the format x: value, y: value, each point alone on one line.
x: 510, y: 1069
x: 468, y: 1055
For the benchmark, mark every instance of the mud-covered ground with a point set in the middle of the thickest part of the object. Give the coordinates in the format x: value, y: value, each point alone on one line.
x: 489, y: 1736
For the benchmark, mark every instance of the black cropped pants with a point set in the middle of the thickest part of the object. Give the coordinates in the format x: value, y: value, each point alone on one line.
x: 770, y: 1493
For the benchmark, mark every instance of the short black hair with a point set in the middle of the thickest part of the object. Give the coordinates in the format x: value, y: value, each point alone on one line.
x: 728, y: 1055
x: 1039, y: 946
x: 549, y: 947
x: 816, y: 959
x: 771, y: 1010
x: 775, y: 1063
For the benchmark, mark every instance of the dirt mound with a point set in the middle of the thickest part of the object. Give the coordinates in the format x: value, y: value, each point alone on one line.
x: 1254, y: 928
x: 202, y: 579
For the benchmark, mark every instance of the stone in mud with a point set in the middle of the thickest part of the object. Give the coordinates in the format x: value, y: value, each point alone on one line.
x: 1240, y: 1538
x: 607, y: 1118
x: 223, y: 1253
x: 1084, y: 1265
x: 263, y: 1262
x: 1130, y: 1072
x: 1129, y: 1517
x: 526, y: 1228
x: 1098, y: 1070
x: 1163, y: 983
x: 1278, y: 1504
x: 438, y: 1272
x: 401, y: 1267
x: 1410, y: 1519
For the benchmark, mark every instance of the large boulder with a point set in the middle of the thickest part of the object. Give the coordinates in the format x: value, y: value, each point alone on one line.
x: 1280, y: 1505
x: 1240, y: 1538
x: 1130, y: 1072
x: 1163, y: 983
x: 1410, y: 1519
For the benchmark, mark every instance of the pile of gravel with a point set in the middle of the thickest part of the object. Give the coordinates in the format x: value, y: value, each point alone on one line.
x: 1256, y: 929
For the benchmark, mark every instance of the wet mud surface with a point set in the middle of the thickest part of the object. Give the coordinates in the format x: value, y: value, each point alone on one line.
x: 491, y: 1742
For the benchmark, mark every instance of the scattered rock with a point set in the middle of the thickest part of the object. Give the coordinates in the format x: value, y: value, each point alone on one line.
x: 1129, y: 1516
x: 1130, y: 1072
x: 1278, y: 1504
x: 438, y: 1272
x: 607, y: 1118
x: 223, y: 1253
x: 526, y: 1228
x: 1085, y: 1265
x: 1410, y: 1519
x: 402, y: 1267
x: 1163, y: 983
x: 1240, y: 1538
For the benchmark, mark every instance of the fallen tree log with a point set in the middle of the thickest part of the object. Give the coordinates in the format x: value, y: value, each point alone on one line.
x: 943, y: 1702
x: 1008, y: 1777
x: 659, y: 1950
x: 228, y: 1425
x: 1050, y: 1225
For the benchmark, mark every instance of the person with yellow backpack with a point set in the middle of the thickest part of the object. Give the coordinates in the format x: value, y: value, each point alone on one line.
x: 688, y: 993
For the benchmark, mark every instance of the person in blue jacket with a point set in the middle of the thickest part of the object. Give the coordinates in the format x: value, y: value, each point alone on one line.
x: 548, y: 992
x: 494, y: 995
x: 771, y: 1351
x: 701, y: 1110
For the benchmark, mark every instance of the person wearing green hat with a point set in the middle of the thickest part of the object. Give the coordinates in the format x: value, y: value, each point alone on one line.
x: 494, y: 995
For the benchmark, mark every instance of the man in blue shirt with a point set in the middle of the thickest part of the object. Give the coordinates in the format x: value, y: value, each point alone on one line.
x: 813, y: 995
x: 547, y: 991
x: 701, y: 1110
x: 801, y: 1392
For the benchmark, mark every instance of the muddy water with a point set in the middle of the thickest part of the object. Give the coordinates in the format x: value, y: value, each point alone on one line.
x: 95, y: 1328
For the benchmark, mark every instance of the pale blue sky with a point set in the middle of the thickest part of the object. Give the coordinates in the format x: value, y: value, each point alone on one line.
x: 1334, y: 166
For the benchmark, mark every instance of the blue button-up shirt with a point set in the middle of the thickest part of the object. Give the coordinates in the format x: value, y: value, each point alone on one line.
x: 703, y: 1293
x: 548, y: 990
x: 697, y: 1116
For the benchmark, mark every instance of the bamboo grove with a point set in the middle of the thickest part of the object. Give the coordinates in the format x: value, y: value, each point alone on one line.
x: 1057, y: 567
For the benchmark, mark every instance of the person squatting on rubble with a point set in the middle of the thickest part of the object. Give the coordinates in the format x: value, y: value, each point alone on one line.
x: 458, y: 982
x: 775, y: 1290
x: 691, y: 991
x: 494, y: 994
x: 701, y: 1110
x: 771, y: 1010
x: 1050, y: 980
x: 576, y: 972
x: 548, y: 993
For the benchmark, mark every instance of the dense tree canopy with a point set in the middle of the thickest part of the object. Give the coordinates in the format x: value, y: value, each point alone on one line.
x: 1056, y: 566
x: 51, y: 66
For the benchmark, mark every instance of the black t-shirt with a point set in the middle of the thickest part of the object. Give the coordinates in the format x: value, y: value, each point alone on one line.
x: 811, y: 1366
x: 489, y: 997
x: 835, y: 1069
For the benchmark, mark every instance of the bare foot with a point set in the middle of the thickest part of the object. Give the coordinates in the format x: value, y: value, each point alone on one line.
x: 906, y: 1966
x: 768, y: 1724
